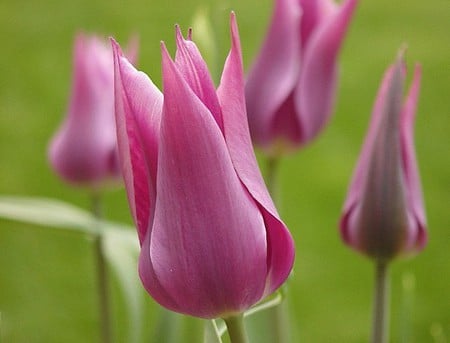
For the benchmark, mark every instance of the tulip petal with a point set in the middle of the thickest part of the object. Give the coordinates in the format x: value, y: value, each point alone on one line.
x: 383, y: 220
x: 359, y: 174
x: 315, y: 92
x: 410, y: 161
x: 138, y: 104
x: 314, y: 12
x: 208, y: 243
x: 194, y: 70
x: 275, y: 72
x: 231, y: 96
x: 150, y: 280
x: 82, y: 151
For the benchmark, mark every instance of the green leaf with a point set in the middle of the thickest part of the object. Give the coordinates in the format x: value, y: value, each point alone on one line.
x: 119, y: 244
x: 50, y: 213
x: 211, y: 333
x: 121, y: 249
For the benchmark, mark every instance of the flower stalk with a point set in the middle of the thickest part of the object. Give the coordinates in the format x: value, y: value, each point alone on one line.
x: 381, y: 303
x: 102, y: 275
x: 278, y: 314
x: 236, y: 329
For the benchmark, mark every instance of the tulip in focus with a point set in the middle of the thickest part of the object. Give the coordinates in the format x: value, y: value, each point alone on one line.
x: 383, y: 215
x: 212, y: 243
x: 83, y: 151
x: 291, y: 87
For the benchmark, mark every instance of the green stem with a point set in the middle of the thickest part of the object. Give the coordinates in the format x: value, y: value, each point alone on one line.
x: 278, y: 314
x: 273, y: 164
x: 236, y: 329
x: 102, y: 276
x: 381, y: 303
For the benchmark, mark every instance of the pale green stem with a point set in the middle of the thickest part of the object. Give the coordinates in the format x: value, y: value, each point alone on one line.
x: 236, y: 329
x: 273, y: 164
x: 380, y: 327
x: 279, y: 316
x: 102, y: 275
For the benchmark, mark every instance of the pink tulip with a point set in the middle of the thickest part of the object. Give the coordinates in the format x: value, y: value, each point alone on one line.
x: 83, y: 151
x: 212, y: 243
x: 291, y: 87
x: 383, y: 215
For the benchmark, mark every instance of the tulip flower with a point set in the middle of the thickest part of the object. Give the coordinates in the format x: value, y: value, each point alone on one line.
x: 83, y: 151
x: 383, y: 215
x: 212, y: 243
x: 291, y: 87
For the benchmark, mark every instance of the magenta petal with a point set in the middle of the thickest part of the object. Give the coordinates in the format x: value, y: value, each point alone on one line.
x: 358, y: 178
x: 382, y: 222
x: 138, y: 106
x: 410, y: 162
x: 275, y: 72
x: 150, y: 280
x: 231, y: 96
x: 194, y: 70
x: 83, y: 149
x: 383, y: 214
x: 317, y: 84
x: 208, y: 243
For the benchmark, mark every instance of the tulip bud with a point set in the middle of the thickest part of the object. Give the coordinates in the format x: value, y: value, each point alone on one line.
x: 383, y: 215
x: 291, y: 87
x: 212, y: 243
x: 83, y: 150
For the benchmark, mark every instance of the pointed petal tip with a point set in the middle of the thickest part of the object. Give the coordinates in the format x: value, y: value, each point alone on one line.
x: 163, y: 48
x: 234, y: 30
x: 233, y: 20
x: 178, y: 34
x: 115, y: 46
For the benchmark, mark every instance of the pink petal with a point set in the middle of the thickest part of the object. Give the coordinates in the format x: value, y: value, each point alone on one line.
x: 310, y: 19
x: 317, y: 84
x: 138, y: 113
x: 314, y: 13
x: 410, y: 162
x: 82, y: 151
x: 359, y: 174
x: 208, y: 243
x: 194, y: 70
x: 150, y: 280
x: 383, y: 222
x: 231, y: 96
x: 275, y: 72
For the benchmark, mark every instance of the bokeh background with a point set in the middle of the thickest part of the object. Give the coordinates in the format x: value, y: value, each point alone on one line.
x: 47, y: 278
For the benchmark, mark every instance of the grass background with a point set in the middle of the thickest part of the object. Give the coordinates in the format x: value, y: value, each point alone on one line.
x: 47, y: 278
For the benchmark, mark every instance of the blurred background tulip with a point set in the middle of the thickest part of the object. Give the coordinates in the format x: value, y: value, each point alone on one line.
x: 83, y: 151
x: 292, y: 85
x: 384, y: 214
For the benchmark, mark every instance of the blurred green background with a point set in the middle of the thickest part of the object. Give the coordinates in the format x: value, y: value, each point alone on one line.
x: 47, y: 278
